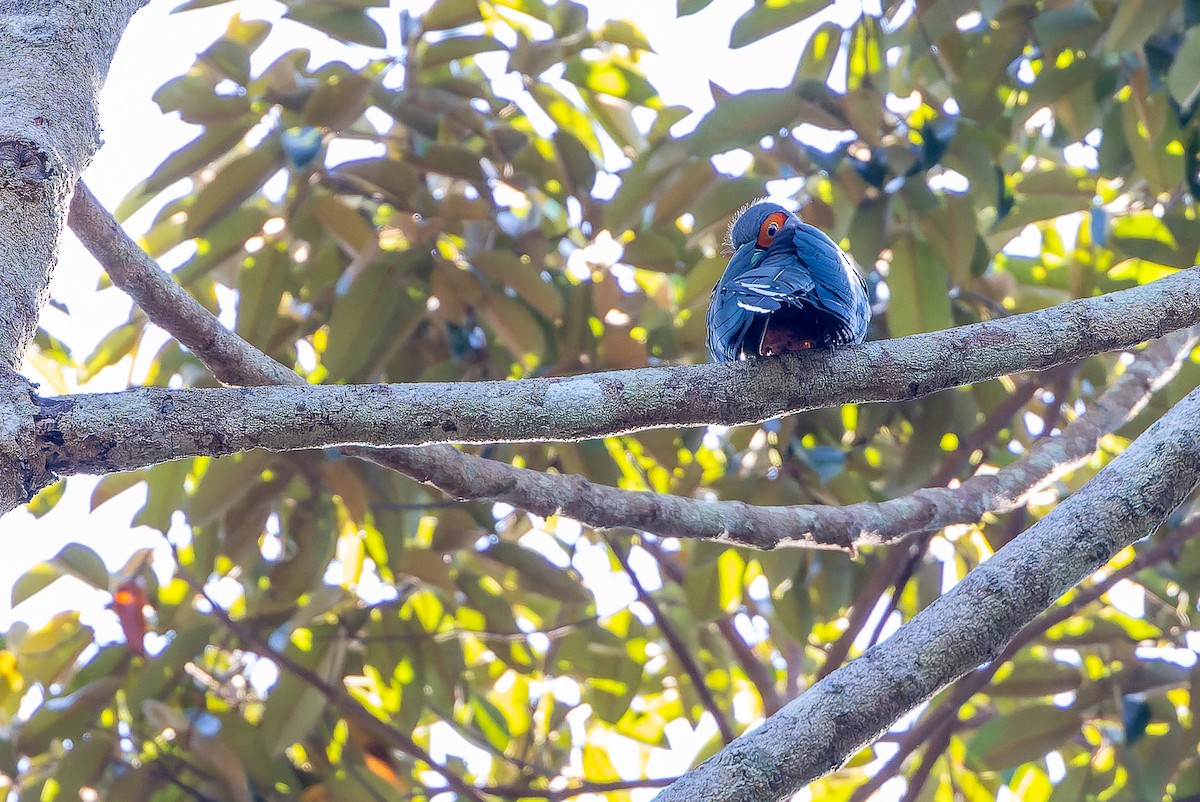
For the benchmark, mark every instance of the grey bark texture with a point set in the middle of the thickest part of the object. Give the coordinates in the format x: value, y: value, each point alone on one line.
x: 54, y: 55
x: 807, y: 525
x: 216, y: 421
x: 819, y: 730
x: 465, y: 476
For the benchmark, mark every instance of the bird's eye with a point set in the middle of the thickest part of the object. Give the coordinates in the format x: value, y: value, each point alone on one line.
x: 769, y: 228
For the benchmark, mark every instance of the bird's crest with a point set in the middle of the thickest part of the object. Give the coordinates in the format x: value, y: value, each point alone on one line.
x: 727, y: 247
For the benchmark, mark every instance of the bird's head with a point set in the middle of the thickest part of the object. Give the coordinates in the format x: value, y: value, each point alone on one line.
x: 755, y: 229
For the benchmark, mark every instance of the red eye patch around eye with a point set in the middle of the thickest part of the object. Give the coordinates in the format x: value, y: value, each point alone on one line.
x: 769, y: 228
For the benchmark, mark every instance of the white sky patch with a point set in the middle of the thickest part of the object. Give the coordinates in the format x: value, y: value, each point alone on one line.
x: 444, y: 741
x: 1184, y: 658
x: 949, y: 181
x: 1082, y: 155
x: 341, y: 149
x: 1026, y: 244
x: 733, y: 162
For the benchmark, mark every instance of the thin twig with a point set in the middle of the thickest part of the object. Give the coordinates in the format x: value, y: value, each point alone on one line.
x: 760, y: 675
x: 341, y: 701
x: 686, y: 659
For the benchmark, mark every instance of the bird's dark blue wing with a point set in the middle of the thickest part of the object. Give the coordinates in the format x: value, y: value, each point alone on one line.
x: 834, y: 286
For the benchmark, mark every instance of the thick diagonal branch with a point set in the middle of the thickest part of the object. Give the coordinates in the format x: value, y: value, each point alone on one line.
x: 965, y: 628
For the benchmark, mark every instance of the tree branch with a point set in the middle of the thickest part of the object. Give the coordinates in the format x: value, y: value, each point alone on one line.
x: 170, y: 424
x: 815, y: 526
x: 685, y: 657
x: 54, y: 59
x: 939, y: 719
x: 231, y: 359
x: 464, y: 476
x: 966, y: 627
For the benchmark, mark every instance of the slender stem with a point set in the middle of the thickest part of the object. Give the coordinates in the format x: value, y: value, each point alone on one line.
x: 685, y: 656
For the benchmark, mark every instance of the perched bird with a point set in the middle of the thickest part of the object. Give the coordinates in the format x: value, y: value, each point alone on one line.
x: 787, y: 287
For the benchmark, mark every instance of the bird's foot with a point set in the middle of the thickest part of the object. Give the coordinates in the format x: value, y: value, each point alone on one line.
x: 784, y: 345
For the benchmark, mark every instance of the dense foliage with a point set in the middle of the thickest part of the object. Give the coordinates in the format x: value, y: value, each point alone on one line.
x: 976, y: 158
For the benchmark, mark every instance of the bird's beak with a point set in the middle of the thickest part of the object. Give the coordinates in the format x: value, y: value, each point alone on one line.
x: 744, y: 258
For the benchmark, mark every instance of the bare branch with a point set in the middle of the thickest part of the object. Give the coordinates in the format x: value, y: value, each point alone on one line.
x: 214, y: 421
x: 465, y: 476
x: 690, y: 666
x: 968, y: 626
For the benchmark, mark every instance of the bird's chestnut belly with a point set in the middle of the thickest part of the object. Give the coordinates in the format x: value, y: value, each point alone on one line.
x: 800, y: 329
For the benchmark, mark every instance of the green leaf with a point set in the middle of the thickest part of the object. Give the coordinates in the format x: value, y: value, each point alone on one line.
x: 684, y: 8
x: 34, y: 581
x: 79, y: 561
x: 820, y: 51
x: 521, y: 276
x: 624, y: 32
x: 338, y: 100
x: 46, y: 499
x: 1183, y: 80
x: 222, y: 240
x: 451, y: 14
x: 343, y: 24
x: 771, y: 17
x: 196, y: 99
x: 610, y: 77
x: 202, y: 151
x: 356, y: 338
x: 730, y: 569
x: 743, y: 119
x: 698, y: 586
x: 1060, y: 27
x: 261, y: 284
x: 115, y: 346
x: 1133, y: 23
x: 918, y: 285
x: 456, y: 48
x: 1023, y: 735
x: 236, y: 181
x: 1028, y: 677
x: 395, y: 180
x: 538, y: 574
x: 578, y: 162
x: 47, y: 655
x: 113, y: 485
x: 231, y: 53
x: 349, y: 226
x: 489, y: 720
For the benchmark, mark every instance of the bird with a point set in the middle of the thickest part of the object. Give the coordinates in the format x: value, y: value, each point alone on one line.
x: 787, y: 287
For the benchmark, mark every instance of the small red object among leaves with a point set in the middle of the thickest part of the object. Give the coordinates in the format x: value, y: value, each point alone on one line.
x: 129, y: 602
